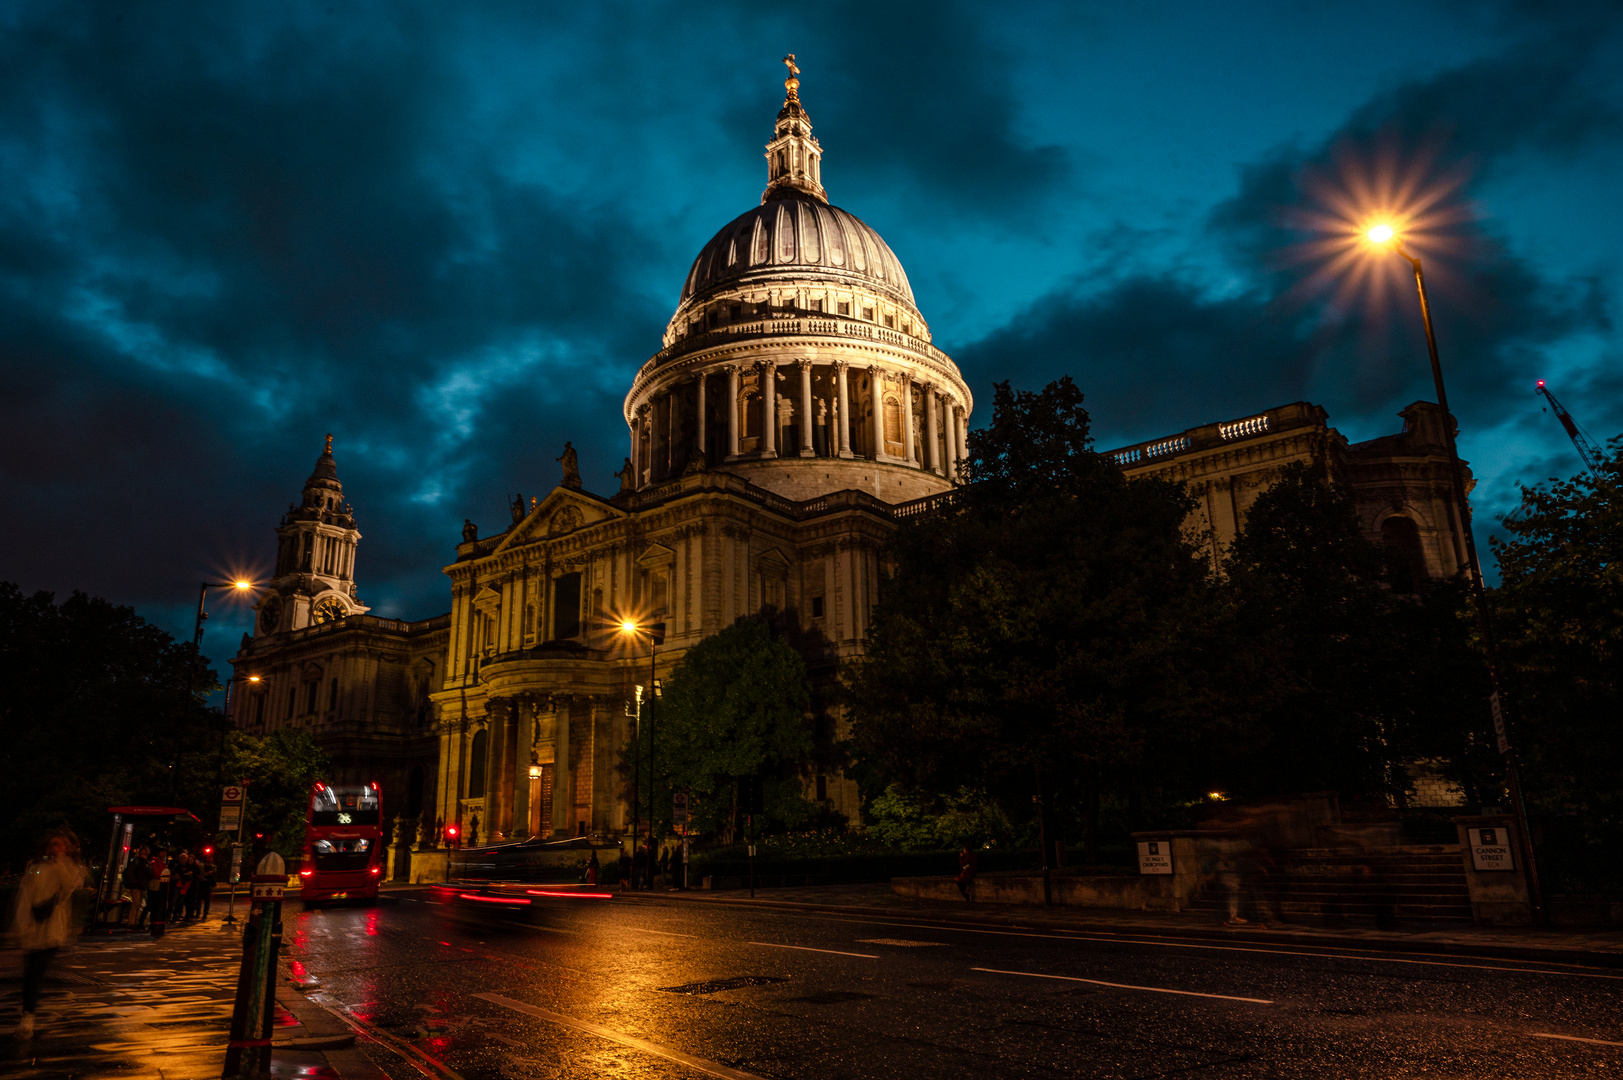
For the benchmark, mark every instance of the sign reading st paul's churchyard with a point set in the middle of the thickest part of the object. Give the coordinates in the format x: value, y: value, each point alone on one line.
x: 1154, y: 857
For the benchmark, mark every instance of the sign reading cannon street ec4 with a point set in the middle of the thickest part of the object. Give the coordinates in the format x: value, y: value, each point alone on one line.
x: 1490, y: 849
x: 1154, y: 857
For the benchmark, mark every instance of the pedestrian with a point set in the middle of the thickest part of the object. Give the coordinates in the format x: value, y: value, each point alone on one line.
x: 639, y: 868
x: 137, y: 875
x: 208, y: 873
x: 158, y: 893
x: 622, y: 866
x: 194, y: 887
x: 44, y: 914
x: 592, y: 868
x: 182, y: 874
x: 968, y: 865
x: 665, y: 865
x: 1227, y: 875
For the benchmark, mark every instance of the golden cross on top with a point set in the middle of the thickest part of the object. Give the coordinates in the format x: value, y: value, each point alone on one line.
x: 329, y: 444
x: 789, y: 62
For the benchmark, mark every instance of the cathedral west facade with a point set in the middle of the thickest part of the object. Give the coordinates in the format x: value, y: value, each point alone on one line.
x: 797, y: 408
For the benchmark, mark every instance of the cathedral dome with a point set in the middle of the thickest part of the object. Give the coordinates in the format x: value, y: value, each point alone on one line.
x: 794, y: 235
x: 797, y: 358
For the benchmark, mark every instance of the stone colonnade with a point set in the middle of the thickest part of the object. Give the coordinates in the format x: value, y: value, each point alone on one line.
x: 535, y: 765
x: 798, y: 409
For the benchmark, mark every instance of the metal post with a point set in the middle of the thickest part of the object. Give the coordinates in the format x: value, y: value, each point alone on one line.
x: 1042, y: 837
x: 749, y: 838
x: 653, y: 695
x: 636, y: 790
x: 248, y: 1050
x: 1480, y: 595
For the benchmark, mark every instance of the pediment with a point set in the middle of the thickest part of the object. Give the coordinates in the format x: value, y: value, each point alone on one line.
x: 772, y: 560
x: 560, y: 513
x: 656, y: 555
x: 487, y: 600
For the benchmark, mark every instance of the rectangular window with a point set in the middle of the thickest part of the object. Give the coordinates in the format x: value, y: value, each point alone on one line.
x: 661, y: 592
x: 259, y: 711
x: 907, y: 328
x: 292, y: 700
x: 822, y: 786
x: 734, y: 312
x: 867, y: 313
x: 566, y: 607
x: 311, y: 690
x: 817, y: 607
x: 332, y: 697
x: 844, y: 307
x: 816, y: 305
x: 890, y: 321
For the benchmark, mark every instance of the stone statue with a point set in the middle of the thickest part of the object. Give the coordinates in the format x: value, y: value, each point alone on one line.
x: 470, y: 531
x: 571, y: 465
x: 628, y: 476
x: 518, y: 508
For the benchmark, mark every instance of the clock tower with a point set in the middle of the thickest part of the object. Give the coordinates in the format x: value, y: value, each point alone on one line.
x: 315, y: 557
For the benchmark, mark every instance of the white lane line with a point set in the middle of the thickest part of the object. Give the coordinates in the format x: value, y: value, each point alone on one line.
x: 1371, y: 957
x: 710, y: 1068
x: 1126, y: 986
x: 1572, y: 1038
x: 802, y: 948
x: 667, y: 933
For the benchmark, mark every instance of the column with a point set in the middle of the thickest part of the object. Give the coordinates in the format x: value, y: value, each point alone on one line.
x: 907, y: 418
x: 769, y: 409
x: 843, y: 416
x: 732, y: 411
x: 632, y: 456
x: 877, y: 392
x: 563, y: 789
x: 932, y: 444
x: 523, y: 731
x: 806, y: 450
x: 701, y: 427
x: 950, y: 441
x: 963, y: 436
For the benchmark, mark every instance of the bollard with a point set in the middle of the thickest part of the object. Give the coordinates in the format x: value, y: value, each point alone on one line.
x: 248, y: 1053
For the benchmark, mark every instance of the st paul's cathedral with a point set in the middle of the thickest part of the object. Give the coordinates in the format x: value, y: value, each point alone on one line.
x: 796, y: 410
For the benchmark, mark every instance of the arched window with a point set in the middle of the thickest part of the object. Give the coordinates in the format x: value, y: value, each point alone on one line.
x: 893, y: 419
x: 476, y: 765
x: 1408, y: 571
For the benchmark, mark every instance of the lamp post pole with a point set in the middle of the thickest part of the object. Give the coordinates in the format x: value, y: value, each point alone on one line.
x: 636, y: 788
x: 1479, y: 594
x: 653, y: 695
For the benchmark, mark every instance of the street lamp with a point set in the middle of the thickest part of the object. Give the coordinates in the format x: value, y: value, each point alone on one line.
x: 203, y: 588
x: 1383, y: 235
x: 656, y: 634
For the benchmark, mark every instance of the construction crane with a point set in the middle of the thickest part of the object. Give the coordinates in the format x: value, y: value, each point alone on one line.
x: 1586, y: 449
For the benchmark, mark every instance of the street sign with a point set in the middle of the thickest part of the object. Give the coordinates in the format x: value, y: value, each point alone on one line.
x: 679, y: 810
x: 1499, y: 723
x: 232, y: 794
x: 1490, y: 849
x: 751, y: 796
x: 264, y: 890
x: 230, y: 817
x: 1154, y: 857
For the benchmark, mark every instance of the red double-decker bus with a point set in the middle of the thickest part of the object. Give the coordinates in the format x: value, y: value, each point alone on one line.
x: 343, y: 843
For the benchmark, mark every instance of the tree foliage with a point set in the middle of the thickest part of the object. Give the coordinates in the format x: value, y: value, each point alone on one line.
x: 100, y: 708
x: 1053, y: 621
x: 1558, y: 613
x: 736, y: 706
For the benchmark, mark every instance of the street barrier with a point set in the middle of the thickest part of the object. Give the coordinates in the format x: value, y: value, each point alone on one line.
x: 248, y: 1054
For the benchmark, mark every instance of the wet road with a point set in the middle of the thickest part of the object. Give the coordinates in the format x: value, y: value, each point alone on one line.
x: 660, y: 987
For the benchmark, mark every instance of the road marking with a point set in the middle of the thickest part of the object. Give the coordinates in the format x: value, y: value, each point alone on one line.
x: 667, y: 933
x: 803, y: 948
x: 1572, y: 1038
x: 1370, y: 957
x: 431, y: 1067
x: 906, y: 943
x: 1126, y: 986
x: 711, y: 1068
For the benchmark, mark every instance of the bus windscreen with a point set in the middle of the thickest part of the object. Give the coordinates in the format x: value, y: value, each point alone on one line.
x: 344, y: 805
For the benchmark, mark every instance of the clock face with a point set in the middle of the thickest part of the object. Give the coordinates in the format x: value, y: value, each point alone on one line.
x: 329, y: 610
x: 270, y: 614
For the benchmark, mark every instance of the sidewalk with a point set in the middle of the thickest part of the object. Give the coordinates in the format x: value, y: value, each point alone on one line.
x: 127, y: 1006
x: 1589, y: 947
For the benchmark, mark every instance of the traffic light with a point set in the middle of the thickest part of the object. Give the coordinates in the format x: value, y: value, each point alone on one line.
x: 208, y: 850
x: 451, y: 834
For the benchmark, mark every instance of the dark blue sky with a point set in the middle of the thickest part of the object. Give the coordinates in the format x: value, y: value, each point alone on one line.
x: 449, y: 234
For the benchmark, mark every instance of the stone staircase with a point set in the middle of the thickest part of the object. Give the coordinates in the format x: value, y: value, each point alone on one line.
x: 1357, y: 883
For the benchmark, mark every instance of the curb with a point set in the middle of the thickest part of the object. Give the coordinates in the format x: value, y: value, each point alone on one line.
x: 1489, y: 950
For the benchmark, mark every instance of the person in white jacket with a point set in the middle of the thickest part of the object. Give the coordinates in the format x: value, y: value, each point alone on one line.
x: 44, y: 920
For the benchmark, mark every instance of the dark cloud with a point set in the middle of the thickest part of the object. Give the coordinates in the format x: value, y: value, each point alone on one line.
x: 1160, y: 351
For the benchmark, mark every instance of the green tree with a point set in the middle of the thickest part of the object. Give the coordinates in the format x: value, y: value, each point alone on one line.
x: 736, y: 706
x: 1056, y: 624
x: 1558, y: 613
x: 98, y: 708
x: 281, y: 769
x: 1353, y: 679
